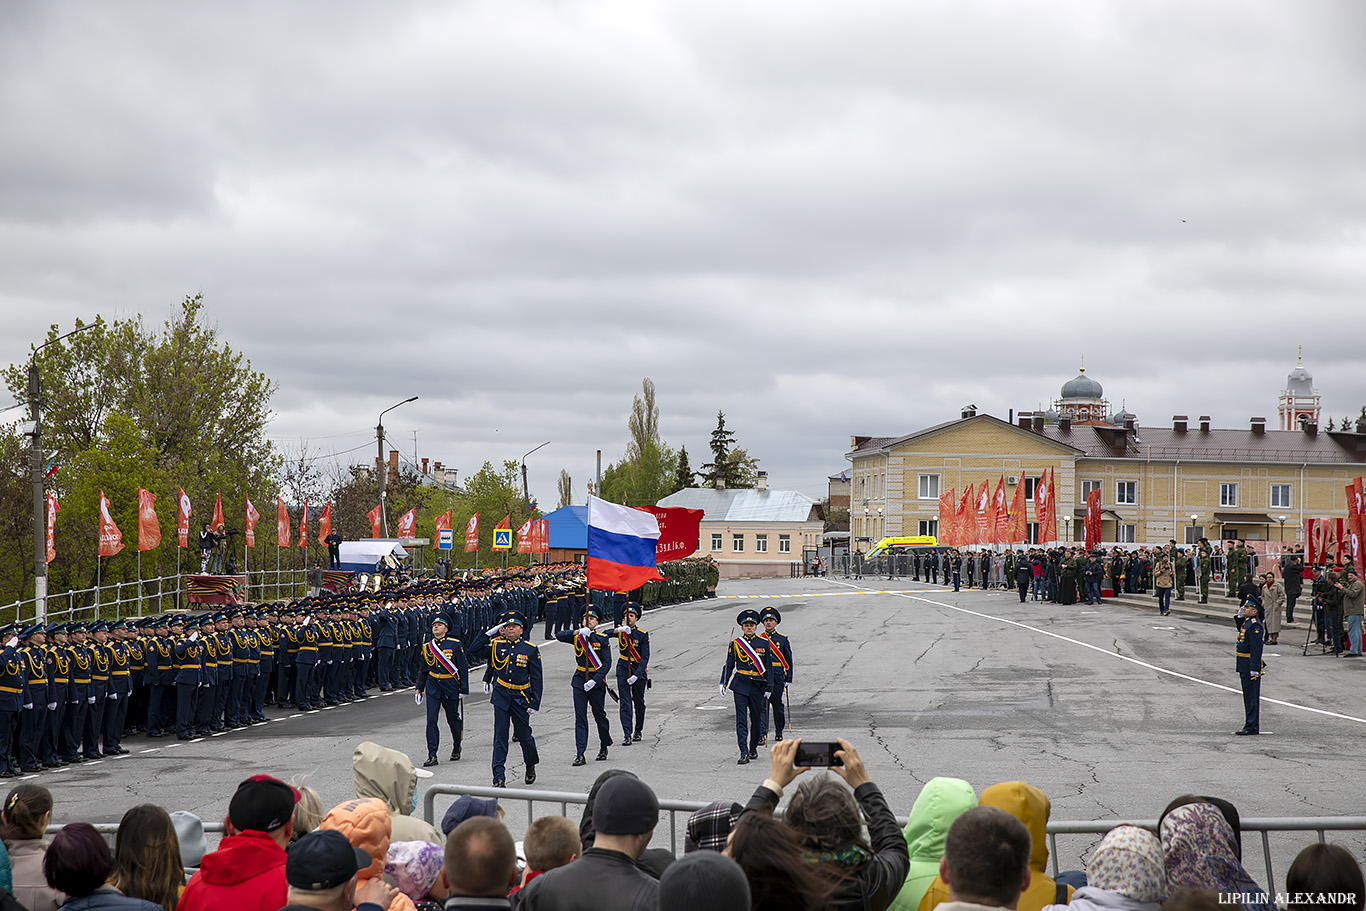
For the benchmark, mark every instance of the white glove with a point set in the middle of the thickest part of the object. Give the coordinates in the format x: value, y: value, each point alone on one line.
x: 531, y: 711
x: 329, y: 662
x: 417, y: 698
x: 631, y: 680
x: 488, y: 688
x: 589, y: 684
x: 493, y: 630
x: 52, y: 706
x: 194, y: 636
x: 114, y: 696
x: 28, y: 705
x: 308, y: 621
x: 91, y: 700
x: 14, y: 640
x: 786, y: 687
x: 584, y: 631
x: 623, y: 629
x: 722, y: 689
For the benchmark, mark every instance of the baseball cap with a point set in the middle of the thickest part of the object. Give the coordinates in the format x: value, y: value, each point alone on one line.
x: 625, y: 805
x: 323, y: 859
x: 262, y: 804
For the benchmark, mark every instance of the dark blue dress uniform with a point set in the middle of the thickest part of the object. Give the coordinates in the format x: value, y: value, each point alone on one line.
x: 159, y: 654
x: 78, y: 694
x: 98, y: 695
x: 750, y: 673
x: 782, y: 656
x: 57, y: 704
x: 633, y: 665
x: 119, y: 692
x: 514, y: 679
x: 189, y: 682
x: 33, y: 725
x: 1248, y: 654
x: 593, y: 658
x: 304, y: 639
x: 12, y: 684
x: 443, y: 677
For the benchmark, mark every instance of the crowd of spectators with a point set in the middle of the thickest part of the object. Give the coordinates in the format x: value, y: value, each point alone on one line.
x: 836, y: 846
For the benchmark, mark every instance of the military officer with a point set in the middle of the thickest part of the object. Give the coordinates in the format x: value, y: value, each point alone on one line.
x: 1235, y: 568
x: 1248, y: 655
x: 37, y: 670
x: 593, y: 658
x: 60, y: 684
x: 98, y: 695
x: 189, y: 678
x: 12, y: 677
x: 120, y: 690
x: 782, y: 654
x: 1182, y: 566
x: 1206, y: 557
x: 633, y: 667
x: 750, y: 674
x: 158, y: 650
x: 303, y: 638
x: 513, y: 679
x: 443, y: 679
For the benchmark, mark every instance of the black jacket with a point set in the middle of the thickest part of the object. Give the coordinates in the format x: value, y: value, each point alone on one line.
x: 600, y: 880
x: 876, y: 883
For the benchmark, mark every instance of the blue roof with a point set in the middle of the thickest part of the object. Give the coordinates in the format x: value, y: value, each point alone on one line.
x: 569, y: 527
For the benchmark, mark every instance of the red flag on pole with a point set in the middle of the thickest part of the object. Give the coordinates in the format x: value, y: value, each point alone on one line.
x: 540, y: 536
x: 303, y: 525
x: 325, y: 524
x: 443, y: 522
x: 281, y: 523
x: 966, y: 523
x: 1001, y: 512
x: 678, y: 531
x: 524, y: 538
x: 407, y: 524
x: 1356, y: 525
x: 947, y: 532
x: 374, y: 517
x: 1019, y: 520
x: 218, y: 512
x: 252, y: 518
x: 1093, y: 519
x: 182, y: 523
x: 472, y: 534
x: 149, y: 529
x: 111, y: 539
x: 53, y: 507
x: 1043, y: 505
x: 982, y: 513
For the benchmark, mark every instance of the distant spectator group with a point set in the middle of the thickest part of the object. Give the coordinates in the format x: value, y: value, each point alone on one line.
x: 837, y: 846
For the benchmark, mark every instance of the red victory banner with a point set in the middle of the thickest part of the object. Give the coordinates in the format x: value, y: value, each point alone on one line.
x: 374, y: 517
x: 524, y: 537
x: 678, y: 531
x: 407, y: 524
x: 111, y: 539
x: 325, y: 524
x: 540, y: 537
x: 303, y: 525
x: 948, y: 533
x: 1325, y: 541
x: 281, y: 523
x: 252, y: 518
x: 472, y: 534
x: 965, y: 523
x: 1019, y: 520
x: 53, y: 507
x: 442, y: 522
x: 182, y: 519
x: 1093, y: 519
x: 1043, y: 510
x: 218, y: 512
x: 1001, y: 511
x: 149, y: 529
x: 1356, y: 526
x: 985, y: 520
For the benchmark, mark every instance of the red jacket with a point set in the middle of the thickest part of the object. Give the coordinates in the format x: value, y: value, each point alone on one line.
x: 247, y: 872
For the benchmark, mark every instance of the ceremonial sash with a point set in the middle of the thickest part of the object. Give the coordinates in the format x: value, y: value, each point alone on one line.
x: 628, y: 645
x: 442, y: 658
x: 745, y: 650
x: 593, y: 660
x: 778, y: 654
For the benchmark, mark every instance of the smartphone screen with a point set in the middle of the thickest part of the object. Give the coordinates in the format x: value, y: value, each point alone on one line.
x: 817, y: 755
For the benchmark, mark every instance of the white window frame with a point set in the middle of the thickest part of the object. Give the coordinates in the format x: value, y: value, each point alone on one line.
x: 1031, y: 532
x: 716, y: 542
x: 1228, y: 494
x: 1031, y: 484
x: 928, y: 488
x: 1127, y: 533
x: 1126, y: 493
x: 928, y: 527
x: 737, y: 542
x: 760, y: 543
x: 784, y: 544
x: 1087, y: 487
x: 1280, y: 502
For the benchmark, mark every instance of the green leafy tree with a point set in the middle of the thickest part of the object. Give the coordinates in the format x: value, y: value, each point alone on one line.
x: 683, y: 478
x: 646, y: 474
x: 735, y: 466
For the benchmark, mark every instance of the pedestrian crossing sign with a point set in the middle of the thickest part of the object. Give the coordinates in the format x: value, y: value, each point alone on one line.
x: 502, y: 539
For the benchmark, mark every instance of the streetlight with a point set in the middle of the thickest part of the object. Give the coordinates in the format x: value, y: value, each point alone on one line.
x: 35, y: 402
x: 1194, y: 517
x: 526, y: 497
x: 384, y: 469
x: 1282, y: 519
x: 1067, y: 527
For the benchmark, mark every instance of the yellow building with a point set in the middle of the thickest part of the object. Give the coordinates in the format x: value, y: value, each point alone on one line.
x: 1183, y: 481
x: 753, y: 533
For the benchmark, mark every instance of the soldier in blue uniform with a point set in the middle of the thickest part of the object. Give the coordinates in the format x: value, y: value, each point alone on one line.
x: 60, y: 684
x: 443, y: 679
x: 633, y: 666
x: 207, y: 636
x: 303, y: 637
x: 593, y: 658
x: 1248, y: 654
x: 98, y: 695
x: 189, y: 678
x: 513, y: 679
x: 782, y: 656
x: 37, y: 675
x: 239, y: 647
x: 119, y: 692
x: 362, y: 655
x: 159, y: 653
x: 12, y: 678
x: 750, y: 674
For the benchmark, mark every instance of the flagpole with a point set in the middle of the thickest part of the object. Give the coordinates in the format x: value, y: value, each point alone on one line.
x: 139, y: 581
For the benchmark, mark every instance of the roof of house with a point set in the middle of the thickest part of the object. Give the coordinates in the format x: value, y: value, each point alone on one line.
x: 745, y: 505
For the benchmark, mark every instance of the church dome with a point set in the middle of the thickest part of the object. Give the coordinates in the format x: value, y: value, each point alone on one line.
x: 1082, y: 387
x: 1299, y: 382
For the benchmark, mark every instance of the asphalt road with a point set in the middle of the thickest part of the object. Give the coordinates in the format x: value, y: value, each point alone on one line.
x: 1111, y: 711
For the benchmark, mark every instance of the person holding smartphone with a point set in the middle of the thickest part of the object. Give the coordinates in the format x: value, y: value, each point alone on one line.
x: 750, y: 674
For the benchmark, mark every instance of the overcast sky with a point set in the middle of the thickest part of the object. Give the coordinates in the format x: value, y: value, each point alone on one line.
x: 821, y: 218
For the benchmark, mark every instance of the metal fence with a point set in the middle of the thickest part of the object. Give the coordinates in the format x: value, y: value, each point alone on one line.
x: 1090, y: 830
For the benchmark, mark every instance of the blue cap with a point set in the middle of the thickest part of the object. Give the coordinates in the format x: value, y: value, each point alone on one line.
x: 747, y: 616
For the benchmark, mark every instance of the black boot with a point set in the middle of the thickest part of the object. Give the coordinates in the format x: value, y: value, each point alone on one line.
x: 579, y: 760
x: 602, y: 753
x: 530, y: 776
x: 431, y: 761
x: 743, y: 760
x: 455, y: 754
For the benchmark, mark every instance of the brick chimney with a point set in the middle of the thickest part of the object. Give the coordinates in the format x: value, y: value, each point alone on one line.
x: 761, y: 481
x: 393, y: 466
x: 424, y: 466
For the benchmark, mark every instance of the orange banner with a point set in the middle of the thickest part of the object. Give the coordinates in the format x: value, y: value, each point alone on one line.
x: 443, y: 522
x: 1000, y: 530
x: 252, y: 518
x: 966, y: 523
x: 303, y: 525
x: 182, y: 521
x: 1044, y: 512
x: 1019, y: 520
x: 472, y: 534
x: 281, y: 523
x: 948, y: 532
x: 325, y: 524
x: 111, y: 539
x: 375, y: 517
x: 217, y: 513
x: 53, y: 507
x: 407, y: 524
x: 149, y: 530
x: 982, y: 514
x: 1093, y: 519
x: 524, y: 538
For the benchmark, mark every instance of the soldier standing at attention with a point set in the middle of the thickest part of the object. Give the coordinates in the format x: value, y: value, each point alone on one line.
x: 1248, y: 655
x: 633, y: 665
x: 1206, y: 560
x: 592, y: 658
x: 1182, y: 565
x: 750, y: 674
x: 513, y: 679
x: 443, y: 678
x: 1235, y: 568
x: 782, y: 656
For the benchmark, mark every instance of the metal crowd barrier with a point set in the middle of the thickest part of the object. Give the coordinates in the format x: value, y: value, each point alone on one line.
x: 1265, y: 827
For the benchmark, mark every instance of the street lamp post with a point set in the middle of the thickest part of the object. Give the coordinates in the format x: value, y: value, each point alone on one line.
x: 1067, y: 527
x: 526, y: 495
x: 1282, y: 519
x: 383, y: 468
x: 1194, y: 517
x: 35, y: 403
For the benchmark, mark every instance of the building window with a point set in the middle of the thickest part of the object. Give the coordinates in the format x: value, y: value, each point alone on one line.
x: 1030, y: 484
x: 1228, y: 494
x: 784, y: 544
x: 927, y: 527
x: 716, y: 541
x: 1194, y: 533
x: 1126, y: 492
x: 737, y: 544
x: 929, y: 487
x: 1127, y: 534
x: 1087, y: 487
x: 1032, y: 532
x: 761, y: 544
x: 1280, y: 496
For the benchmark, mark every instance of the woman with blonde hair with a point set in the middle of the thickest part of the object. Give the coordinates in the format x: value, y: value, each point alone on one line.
x: 23, y: 819
x: 147, y: 857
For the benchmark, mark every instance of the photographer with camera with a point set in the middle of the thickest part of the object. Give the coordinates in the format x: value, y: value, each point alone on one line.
x: 866, y: 872
x: 1328, y: 601
x: 1350, y: 591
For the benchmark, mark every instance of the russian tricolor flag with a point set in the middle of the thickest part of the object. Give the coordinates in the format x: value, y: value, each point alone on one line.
x: 621, y: 546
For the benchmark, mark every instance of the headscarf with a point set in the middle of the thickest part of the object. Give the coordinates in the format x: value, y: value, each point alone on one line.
x: 1128, y: 862
x: 1198, y: 852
